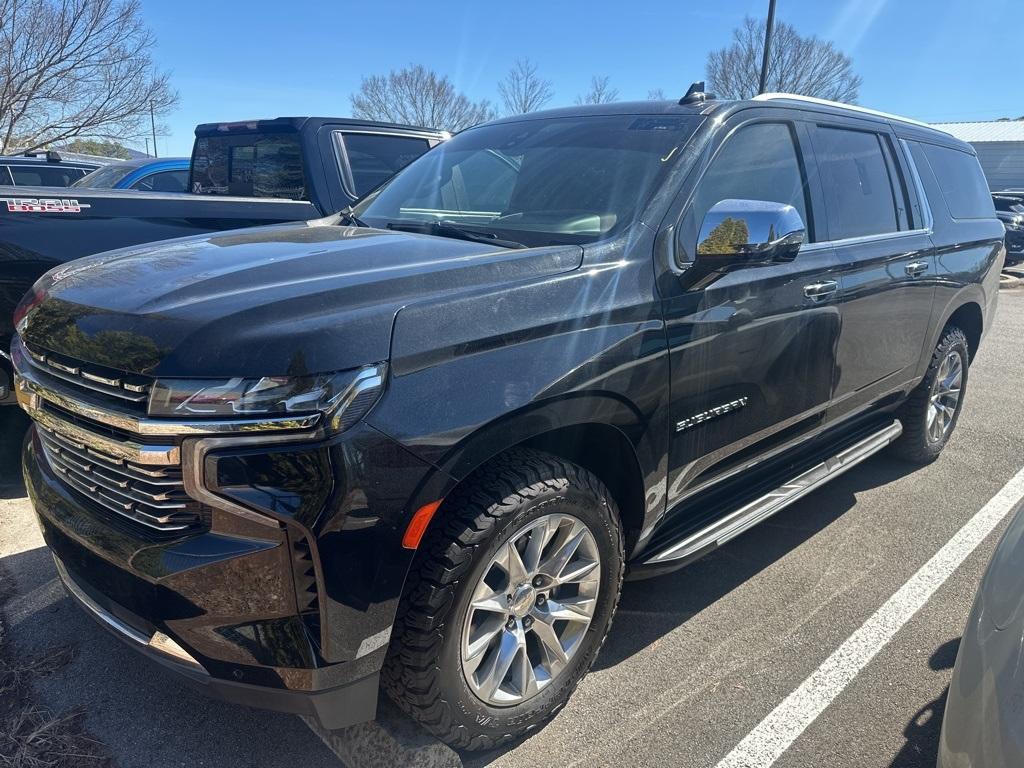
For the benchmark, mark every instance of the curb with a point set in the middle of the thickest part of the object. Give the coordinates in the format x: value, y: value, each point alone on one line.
x: 1008, y: 281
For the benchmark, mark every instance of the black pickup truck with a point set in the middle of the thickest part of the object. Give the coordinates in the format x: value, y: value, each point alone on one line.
x: 243, y: 174
x: 420, y: 448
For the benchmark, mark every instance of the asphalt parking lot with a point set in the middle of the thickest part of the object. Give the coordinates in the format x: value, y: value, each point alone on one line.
x: 695, y: 660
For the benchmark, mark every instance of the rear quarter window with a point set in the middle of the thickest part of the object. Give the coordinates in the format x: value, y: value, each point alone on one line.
x: 961, y: 181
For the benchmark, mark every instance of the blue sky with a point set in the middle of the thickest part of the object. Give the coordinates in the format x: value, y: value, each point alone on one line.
x: 235, y: 59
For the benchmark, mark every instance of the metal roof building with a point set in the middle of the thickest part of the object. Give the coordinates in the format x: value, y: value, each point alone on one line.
x: 1000, y: 147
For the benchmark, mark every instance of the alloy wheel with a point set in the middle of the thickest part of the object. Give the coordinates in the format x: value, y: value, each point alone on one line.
x: 945, y: 396
x: 530, y: 610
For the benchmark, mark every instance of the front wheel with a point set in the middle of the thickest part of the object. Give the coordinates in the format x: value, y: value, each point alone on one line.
x: 931, y: 412
x: 508, y: 602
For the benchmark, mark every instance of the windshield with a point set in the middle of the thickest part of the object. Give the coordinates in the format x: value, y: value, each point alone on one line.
x: 105, y: 177
x: 536, y: 182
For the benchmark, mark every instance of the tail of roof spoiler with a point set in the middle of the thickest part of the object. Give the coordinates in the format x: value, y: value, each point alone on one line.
x: 274, y: 125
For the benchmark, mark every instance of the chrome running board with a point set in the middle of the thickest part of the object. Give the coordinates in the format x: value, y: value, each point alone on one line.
x: 749, y: 515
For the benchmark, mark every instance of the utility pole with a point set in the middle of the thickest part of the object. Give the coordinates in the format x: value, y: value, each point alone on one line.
x: 147, y: 146
x: 769, y: 28
x: 152, y: 120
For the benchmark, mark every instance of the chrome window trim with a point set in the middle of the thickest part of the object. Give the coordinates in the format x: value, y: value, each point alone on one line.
x: 926, y: 208
x: 864, y: 239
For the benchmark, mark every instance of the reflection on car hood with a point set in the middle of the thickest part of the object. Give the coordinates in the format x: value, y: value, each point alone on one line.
x: 269, y: 301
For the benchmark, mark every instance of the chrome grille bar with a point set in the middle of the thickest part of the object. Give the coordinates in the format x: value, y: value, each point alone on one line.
x: 133, y: 390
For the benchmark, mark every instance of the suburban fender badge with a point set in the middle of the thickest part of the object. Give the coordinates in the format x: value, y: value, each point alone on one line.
x: 43, y: 205
x: 711, y: 413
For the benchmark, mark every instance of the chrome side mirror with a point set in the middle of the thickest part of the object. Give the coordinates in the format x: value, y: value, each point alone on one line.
x: 750, y: 232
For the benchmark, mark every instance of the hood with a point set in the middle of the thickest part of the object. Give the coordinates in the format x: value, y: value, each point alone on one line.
x: 270, y: 301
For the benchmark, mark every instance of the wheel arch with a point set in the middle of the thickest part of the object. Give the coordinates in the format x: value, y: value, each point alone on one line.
x: 969, y: 319
x: 599, y: 433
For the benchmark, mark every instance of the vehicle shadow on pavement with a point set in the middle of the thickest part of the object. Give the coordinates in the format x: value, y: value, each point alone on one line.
x: 921, y: 749
x: 662, y: 604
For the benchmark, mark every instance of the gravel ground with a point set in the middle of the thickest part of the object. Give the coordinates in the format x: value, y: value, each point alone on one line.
x: 695, y: 660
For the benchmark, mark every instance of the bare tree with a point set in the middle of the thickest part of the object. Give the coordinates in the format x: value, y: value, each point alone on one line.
x: 808, y: 66
x: 416, y: 95
x: 76, y: 68
x: 522, y: 90
x: 656, y: 94
x: 600, y: 92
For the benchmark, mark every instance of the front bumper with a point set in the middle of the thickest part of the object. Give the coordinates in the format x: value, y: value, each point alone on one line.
x: 1014, y: 246
x: 285, y: 600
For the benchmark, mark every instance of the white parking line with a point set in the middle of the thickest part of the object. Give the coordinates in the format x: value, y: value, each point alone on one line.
x: 765, y: 744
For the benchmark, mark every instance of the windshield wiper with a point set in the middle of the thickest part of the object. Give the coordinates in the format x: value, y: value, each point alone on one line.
x: 445, y: 228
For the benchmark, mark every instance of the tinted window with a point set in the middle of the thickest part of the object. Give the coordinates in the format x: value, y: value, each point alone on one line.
x: 540, y: 181
x: 1009, y: 204
x: 5, y: 175
x: 45, y: 176
x: 249, y: 165
x: 961, y: 181
x: 758, y: 162
x: 164, y: 181
x: 106, y: 177
x: 860, y: 193
x: 373, y: 159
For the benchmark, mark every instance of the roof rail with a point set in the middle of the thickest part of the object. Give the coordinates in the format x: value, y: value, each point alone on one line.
x: 827, y: 103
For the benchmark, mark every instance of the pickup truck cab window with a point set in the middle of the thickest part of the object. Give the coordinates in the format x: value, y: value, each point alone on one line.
x: 373, y: 158
x: 561, y: 180
x: 249, y: 165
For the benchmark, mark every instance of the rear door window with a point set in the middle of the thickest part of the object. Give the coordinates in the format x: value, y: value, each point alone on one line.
x: 961, y: 181
x: 373, y: 158
x: 45, y: 176
x: 163, y: 181
x: 862, y: 194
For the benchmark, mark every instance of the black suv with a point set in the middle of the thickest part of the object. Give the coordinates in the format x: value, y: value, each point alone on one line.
x: 1010, y: 210
x: 420, y: 444
x: 43, y: 169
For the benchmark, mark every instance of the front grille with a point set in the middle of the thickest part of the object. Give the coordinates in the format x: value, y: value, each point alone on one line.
x: 149, y: 494
x: 129, y: 391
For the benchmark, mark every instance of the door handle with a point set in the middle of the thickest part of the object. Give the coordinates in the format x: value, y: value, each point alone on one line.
x: 916, y: 268
x: 821, y: 291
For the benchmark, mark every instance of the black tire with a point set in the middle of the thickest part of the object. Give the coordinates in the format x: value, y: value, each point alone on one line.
x: 423, y: 672
x: 915, y: 444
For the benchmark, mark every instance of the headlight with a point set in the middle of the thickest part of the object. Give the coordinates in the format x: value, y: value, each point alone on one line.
x: 343, y: 397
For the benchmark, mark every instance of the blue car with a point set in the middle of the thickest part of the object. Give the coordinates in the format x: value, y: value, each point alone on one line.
x: 168, y: 174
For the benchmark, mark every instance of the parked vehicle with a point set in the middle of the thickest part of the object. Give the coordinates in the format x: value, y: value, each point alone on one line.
x: 168, y: 174
x: 980, y: 726
x: 244, y: 174
x: 43, y: 169
x: 1010, y: 210
x: 419, y: 445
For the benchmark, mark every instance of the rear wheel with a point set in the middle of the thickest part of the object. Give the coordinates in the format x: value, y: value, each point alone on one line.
x: 508, y: 602
x: 931, y: 412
